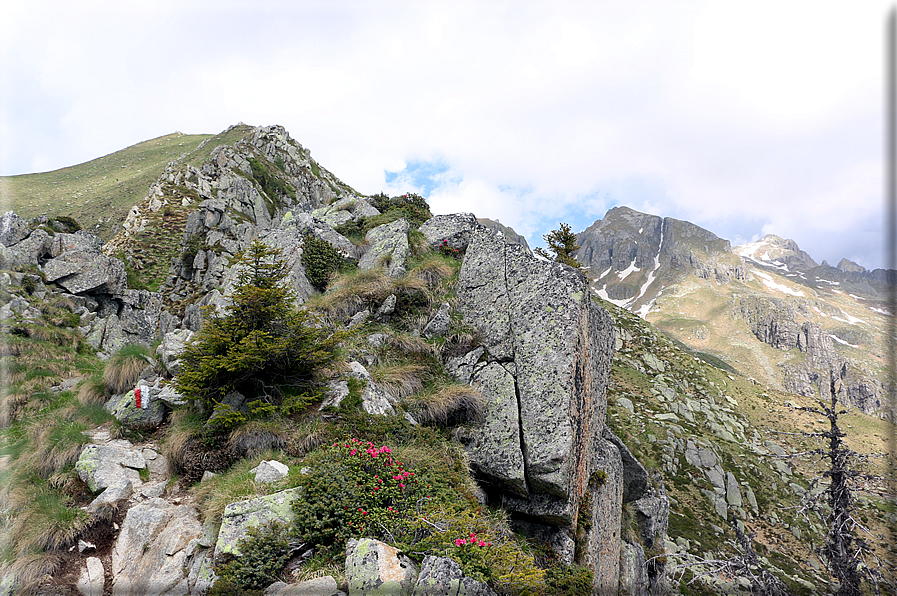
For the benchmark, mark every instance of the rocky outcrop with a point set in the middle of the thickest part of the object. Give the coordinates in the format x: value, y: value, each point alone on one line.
x: 388, y: 247
x: 454, y: 230
x: 153, y: 547
x: 543, y: 371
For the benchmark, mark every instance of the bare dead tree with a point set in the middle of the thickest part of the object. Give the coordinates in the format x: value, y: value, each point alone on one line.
x: 844, y: 553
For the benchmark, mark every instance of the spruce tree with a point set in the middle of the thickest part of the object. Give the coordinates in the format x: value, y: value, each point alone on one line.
x: 261, y: 346
x: 562, y: 243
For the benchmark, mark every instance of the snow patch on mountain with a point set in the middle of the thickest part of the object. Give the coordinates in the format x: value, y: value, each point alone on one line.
x: 772, y: 285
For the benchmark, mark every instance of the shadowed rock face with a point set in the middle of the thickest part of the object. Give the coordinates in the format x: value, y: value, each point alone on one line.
x: 548, y: 352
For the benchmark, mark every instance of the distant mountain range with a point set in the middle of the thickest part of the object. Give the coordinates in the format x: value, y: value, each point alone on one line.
x: 767, y: 308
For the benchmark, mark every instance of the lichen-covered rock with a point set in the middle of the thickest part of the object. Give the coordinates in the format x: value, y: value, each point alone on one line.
x: 345, y: 210
x: 13, y: 229
x: 455, y: 230
x: 82, y: 271
x: 388, y: 246
x: 494, y: 448
x: 147, y: 417
x: 100, y: 466
x: 150, y: 554
x: 31, y: 250
x: 374, y: 568
x: 602, y: 554
x: 440, y: 576
x: 240, y: 516
x: 540, y: 317
x: 633, y: 578
x: 653, y: 516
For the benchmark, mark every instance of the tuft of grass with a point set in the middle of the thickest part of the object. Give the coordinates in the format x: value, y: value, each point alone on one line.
x: 448, y: 405
x: 93, y: 390
x: 434, y: 269
x: 401, y: 380
x: 124, y: 367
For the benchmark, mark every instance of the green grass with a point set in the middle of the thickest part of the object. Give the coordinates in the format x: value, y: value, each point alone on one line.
x: 98, y: 193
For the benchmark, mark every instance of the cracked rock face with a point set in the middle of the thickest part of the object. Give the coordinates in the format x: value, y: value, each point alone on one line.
x: 554, y: 344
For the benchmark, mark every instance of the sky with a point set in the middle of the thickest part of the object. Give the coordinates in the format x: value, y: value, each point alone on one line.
x: 743, y: 117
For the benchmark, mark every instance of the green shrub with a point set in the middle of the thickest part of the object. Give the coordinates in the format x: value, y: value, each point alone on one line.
x: 569, y: 580
x: 357, y: 489
x: 320, y: 260
x: 29, y: 283
x: 65, y: 224
x: 260, y: 346
x: 263, y: 553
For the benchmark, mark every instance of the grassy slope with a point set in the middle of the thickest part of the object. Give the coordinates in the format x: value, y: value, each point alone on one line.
x: 98, y: 193
x: 759, y: 409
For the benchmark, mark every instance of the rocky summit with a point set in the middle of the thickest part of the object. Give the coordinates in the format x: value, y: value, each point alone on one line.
x: 265, y: 382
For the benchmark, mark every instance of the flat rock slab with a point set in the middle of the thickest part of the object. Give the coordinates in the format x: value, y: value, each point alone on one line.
x: 101, y: 466
x: 151, y: 552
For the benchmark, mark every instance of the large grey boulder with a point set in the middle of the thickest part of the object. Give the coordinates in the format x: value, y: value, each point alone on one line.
x: 240, y: 516
x: 345, y: 210
x: 387, y: 245
x: 94, y: 272
x: 539, y: 317
x: 151, y: 552
x: 373, y: 567
x: 494, y: 448
x: 80, y: 241
x: 101, y: 466
x: 13, y: 229
x: 440, y: 576
x: 30, y: 250
x: 455, y: 230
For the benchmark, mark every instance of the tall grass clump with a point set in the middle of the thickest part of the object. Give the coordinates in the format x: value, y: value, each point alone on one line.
x: 124, y: 367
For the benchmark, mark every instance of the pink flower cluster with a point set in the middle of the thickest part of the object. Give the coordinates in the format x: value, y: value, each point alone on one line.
x: 472, y: 540
x: 355, y: 447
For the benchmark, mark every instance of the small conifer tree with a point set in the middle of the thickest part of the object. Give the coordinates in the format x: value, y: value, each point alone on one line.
x: 561, y: 242
x: 262, y: 346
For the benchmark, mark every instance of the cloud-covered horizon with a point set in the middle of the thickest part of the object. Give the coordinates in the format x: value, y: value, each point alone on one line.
x: 744, y: 118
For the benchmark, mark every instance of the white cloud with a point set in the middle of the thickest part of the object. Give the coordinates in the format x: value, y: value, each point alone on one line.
x: 744, y: 115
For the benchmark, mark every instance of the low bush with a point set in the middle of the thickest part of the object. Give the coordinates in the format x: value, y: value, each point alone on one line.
x: 320, y: 260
